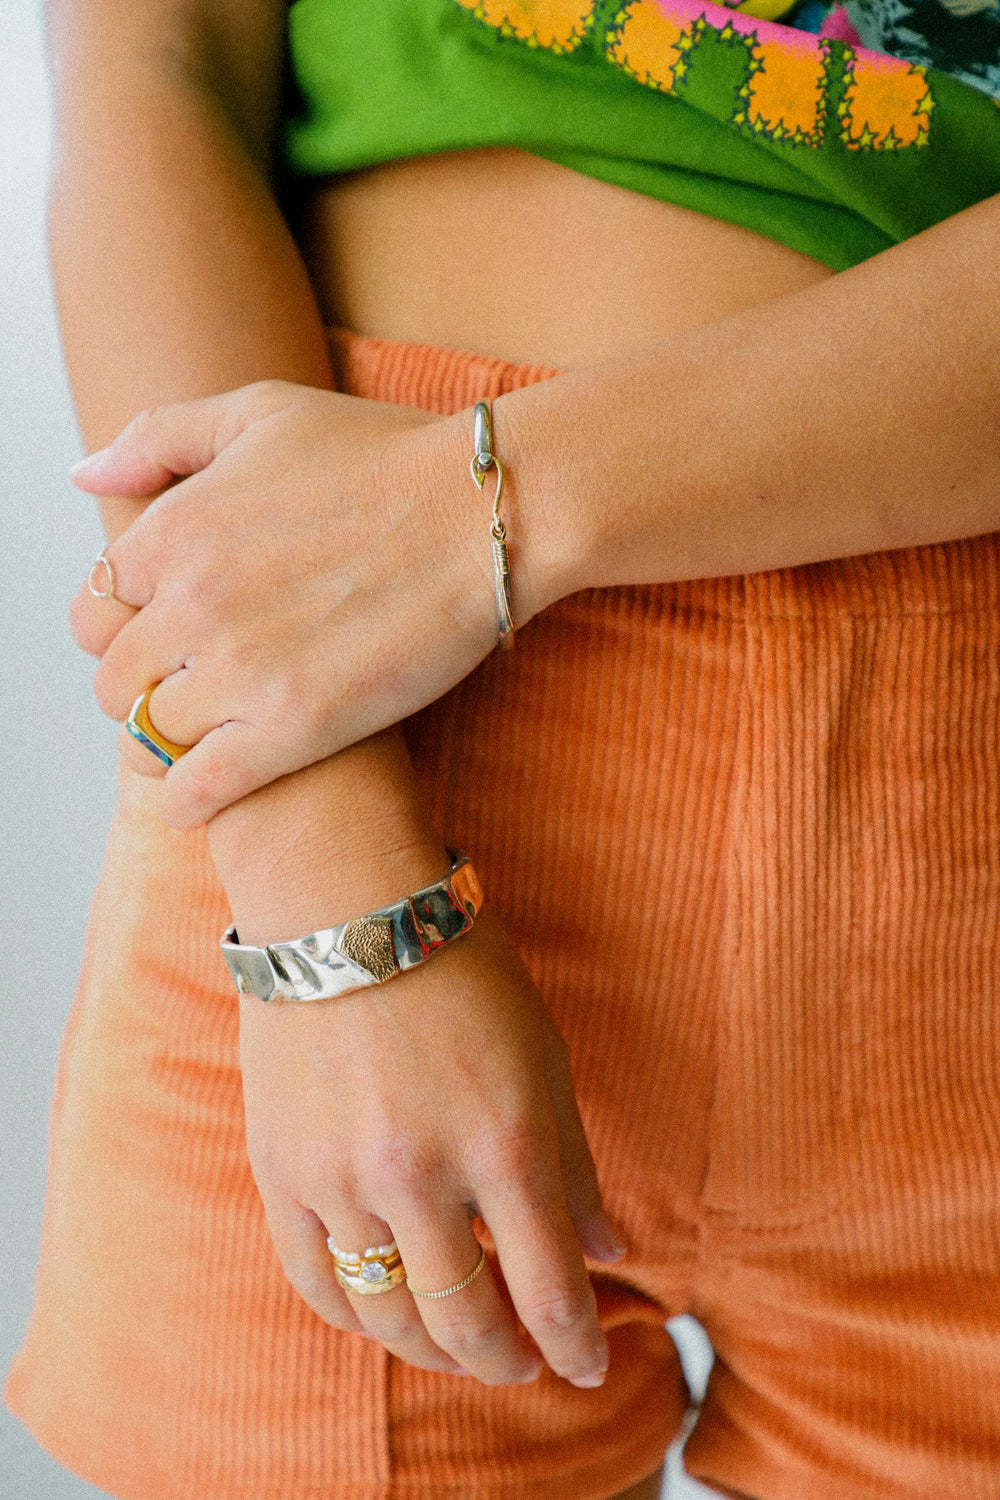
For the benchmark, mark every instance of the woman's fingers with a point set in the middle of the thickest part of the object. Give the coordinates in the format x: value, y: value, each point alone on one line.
x: 595, y: 1232
x: 207, y: 777
x: 96, y: 622
x: 546, y: 1277
x: 166, y: 442
x: 134, y: 660
x: 227, y: 764
x: 472, y: 1322
x: 128, y: 570
x: 301, y: 1238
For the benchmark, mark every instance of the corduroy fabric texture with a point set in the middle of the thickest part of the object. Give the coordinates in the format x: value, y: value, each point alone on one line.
x: 744, y: 832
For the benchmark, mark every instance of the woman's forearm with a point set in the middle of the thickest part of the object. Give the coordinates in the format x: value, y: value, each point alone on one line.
x: 858, y: 416
x: 174, y: 271
x: 176, y: 277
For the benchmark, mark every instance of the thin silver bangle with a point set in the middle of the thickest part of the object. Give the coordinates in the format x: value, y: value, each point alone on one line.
x: 483, y: 460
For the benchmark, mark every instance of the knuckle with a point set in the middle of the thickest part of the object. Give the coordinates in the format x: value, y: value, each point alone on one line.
x: 214, y: 777
x: 315, y: 1289
x: 290, y: 691
x: 400, y: 1168
x: 393, y: 1326
x: 557, y: 1312
x: 265, y: 395
x: 159, y: 537
x: 333, y: 1182
x: 107, y: 693
x: 269, y: 388
x: 148, y: 419
x: 302, y: 1273
x: 199, y: 595
x: 465, y: 1340
x: 241, y: 657
x: 204, y: 782
x: 511, y: 1151
x: 144, y: 432
x: 202, y: 791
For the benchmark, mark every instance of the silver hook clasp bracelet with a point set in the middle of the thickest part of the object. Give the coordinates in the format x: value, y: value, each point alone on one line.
x: 483, y: 460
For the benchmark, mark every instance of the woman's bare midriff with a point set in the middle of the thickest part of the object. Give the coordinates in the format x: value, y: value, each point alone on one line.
x: 503, y: 253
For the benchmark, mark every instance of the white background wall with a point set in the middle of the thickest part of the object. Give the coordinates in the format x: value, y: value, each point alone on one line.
x: 56, y: 752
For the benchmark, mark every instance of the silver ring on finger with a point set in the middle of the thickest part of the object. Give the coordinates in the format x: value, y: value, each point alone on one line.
x: 368, y: 1272
x: 459, y: 1286
x: 95, y: 576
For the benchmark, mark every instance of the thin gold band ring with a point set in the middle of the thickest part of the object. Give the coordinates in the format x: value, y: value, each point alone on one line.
x: 459, y: 1286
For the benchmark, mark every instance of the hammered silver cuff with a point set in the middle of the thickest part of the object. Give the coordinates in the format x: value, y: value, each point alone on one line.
x: 367, y: 950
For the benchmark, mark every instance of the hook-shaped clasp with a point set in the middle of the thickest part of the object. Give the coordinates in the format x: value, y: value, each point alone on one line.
x: 483, y: 460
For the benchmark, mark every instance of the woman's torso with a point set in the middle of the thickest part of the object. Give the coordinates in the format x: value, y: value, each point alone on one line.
x: 504, y: 253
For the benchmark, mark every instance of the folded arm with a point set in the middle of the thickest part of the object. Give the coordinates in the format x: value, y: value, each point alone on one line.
x: 176, y: 277
x: 856, y: 416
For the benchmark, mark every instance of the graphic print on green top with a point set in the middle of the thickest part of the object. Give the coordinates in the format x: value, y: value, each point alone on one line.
x: 808, y: 138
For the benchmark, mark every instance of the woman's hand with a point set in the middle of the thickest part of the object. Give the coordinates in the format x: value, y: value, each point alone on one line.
x: 403, y: 1112
x: 325, y: 572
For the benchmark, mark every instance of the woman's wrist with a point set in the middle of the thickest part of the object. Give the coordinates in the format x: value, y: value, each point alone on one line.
x: 581, y: 473
x: 545, y: 556
x: 341, y: 837
x: 551, y: 546
x: 723, y: 451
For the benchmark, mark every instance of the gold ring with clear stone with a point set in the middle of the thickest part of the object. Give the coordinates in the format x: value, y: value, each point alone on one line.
x: 368, y: 1272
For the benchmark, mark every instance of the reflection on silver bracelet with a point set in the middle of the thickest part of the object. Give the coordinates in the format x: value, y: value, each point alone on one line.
x: 367, y: 950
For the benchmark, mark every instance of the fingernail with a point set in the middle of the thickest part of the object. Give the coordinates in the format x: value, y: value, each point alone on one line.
x: 590, y: 1382
x: 90, y: 470
x: 83, y: 464
x: 604, y: 1243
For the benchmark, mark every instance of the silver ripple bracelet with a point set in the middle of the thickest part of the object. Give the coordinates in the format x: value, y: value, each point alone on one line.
x: 366, y: 950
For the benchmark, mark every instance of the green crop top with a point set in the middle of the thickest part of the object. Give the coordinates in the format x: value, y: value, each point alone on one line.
x: 793, y: 128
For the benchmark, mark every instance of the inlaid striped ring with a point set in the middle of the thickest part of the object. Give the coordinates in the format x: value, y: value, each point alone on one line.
x: 141, y: 728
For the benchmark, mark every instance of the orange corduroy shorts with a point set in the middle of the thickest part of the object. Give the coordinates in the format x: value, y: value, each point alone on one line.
x: 746, y: 833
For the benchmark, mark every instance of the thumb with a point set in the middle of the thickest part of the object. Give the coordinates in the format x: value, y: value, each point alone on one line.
x: 165, y: 443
